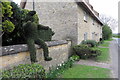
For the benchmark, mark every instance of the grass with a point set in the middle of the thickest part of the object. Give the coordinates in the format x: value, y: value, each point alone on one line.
x: 109, y: 39
x: 105, y: 44
x: 116, y: 35
x: 104, y: 57
x: 83, y: 71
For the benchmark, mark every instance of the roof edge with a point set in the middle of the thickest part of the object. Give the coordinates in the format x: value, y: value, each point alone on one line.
x: 91, y: 11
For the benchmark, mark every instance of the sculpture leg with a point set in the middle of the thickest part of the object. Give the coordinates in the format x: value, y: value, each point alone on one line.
x: 32, y: 50
x: 45, y: 49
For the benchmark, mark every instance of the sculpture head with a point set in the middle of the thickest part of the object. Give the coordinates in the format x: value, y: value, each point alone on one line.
x: 32, y: 13
x: 30, y: 16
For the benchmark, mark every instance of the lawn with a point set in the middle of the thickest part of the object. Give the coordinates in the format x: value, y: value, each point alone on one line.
x: 83, y: 71
x: 116, y: 35
x: 104, y: 57
x: 105, y: 44
x: 109, y: 39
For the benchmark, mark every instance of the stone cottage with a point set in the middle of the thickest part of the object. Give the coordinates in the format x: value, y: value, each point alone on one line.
x: 77, y: 21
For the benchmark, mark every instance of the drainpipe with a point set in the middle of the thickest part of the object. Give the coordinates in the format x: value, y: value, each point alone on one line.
x: 33, y: 5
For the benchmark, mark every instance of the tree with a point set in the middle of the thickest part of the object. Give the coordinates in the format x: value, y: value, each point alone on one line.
x: 17, y: 18
x: 7, y: 25
x: 113, y: 23
x: 107, y: 32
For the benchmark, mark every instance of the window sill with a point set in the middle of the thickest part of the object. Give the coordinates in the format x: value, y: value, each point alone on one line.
x: 85, y: 21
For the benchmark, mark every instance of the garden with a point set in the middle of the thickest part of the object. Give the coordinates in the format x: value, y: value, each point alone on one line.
x: 68, y: 69
x: 14, y: 21
x: 91, y: 50
x: 88, y: 50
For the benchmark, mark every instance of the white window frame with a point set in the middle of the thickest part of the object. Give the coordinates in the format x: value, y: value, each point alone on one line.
x: 85, y: 16
x: 97, y: 25
x: 93, y: 21
x: 93, y: 36
x: 85, y: 35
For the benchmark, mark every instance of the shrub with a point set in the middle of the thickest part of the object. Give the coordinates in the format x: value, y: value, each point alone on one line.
x: 106, y: 32
x: 8, y: 26
x: 85, y: 51
x: 90, y: 43
x: 17, y: 31
x: 95, y: 52
x: 101, y: 41
x: 75, y: 58
x: 55, y: 72
x: 82, y: 51
x: 25, y: 71
x: 6, y: 12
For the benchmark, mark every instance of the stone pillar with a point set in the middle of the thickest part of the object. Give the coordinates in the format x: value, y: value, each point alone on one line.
x: 69, y: 46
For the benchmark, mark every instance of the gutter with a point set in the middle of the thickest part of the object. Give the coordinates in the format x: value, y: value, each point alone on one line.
x: 86, y: 6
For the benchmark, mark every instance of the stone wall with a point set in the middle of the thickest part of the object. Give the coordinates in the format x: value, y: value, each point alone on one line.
x: 83, y: 26
x: 88, y: 26
x: 67, y: 20
x: 18, y: 54
x: 60, y: 16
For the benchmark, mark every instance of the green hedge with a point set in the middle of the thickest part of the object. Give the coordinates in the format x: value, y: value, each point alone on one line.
x: 24, y: 71
x: 46, y: 35
x: 85, y: 51
x: 90, y: 43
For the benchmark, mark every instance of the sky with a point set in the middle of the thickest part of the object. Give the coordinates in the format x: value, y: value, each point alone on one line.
x: 17, y: 1
x: 106, y: 7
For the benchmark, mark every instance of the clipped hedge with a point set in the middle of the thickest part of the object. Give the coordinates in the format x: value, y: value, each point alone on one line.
x: 90, y: 43
x: 24, y: 71
x: 84, y: 51
x: 95, y: 52
x: 46, y: 35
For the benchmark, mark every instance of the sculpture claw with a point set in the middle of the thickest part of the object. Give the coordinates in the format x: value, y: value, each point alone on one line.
x: 48, y: 59
x: 34, y: 61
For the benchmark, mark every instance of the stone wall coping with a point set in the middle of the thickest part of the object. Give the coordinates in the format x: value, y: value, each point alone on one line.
x: 14, y: 49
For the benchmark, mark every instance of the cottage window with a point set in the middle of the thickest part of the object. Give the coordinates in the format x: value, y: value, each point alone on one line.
x: 93, y: 36
x: 85, y: 16
x: 85, y: 35
x: 98, y: 25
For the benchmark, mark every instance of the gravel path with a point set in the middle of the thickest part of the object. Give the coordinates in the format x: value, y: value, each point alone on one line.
x: 114, y: 57
x: 93, y: 63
